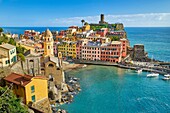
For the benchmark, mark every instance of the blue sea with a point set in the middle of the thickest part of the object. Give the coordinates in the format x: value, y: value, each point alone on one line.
x: 115, y: 90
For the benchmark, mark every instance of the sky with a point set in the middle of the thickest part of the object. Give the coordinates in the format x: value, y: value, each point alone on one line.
x: 63, y: 13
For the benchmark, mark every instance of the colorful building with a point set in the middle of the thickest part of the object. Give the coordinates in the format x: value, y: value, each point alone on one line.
x: 111, y: 52
x: 8, y: 55
x: 125, y: 45
x: 28, y: 88
x: 102, y: 32
x: 90, y: 51
x: 68, y: 49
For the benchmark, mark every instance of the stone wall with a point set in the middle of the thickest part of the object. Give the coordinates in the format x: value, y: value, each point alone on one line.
x: 119, y: 26
x: 32, y: 65
x: 138, y: 52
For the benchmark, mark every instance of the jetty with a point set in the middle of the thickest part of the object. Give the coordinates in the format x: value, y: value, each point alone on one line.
x: 157, y: 68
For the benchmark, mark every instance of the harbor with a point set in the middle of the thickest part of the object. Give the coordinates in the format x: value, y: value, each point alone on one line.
x: 150, y: 67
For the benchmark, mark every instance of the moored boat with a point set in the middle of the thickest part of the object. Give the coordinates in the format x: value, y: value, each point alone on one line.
x: 167, y: 75
x: 166, y: 78
x: 152, y: 75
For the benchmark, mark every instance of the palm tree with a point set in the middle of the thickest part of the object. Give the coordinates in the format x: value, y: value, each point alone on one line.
x: 82, y: 21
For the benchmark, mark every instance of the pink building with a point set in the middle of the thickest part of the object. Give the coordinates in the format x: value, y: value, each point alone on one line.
x: 111, y: 52
x: 78, y: 49
x: 125, y: 44
x: 91, y: 51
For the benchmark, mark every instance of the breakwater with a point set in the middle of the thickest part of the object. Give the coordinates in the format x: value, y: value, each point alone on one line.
x: 157, y: 69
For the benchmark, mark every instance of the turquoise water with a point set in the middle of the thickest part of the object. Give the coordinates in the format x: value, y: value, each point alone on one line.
x: 115, y: 90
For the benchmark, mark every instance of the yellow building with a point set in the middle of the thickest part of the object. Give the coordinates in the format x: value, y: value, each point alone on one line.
x: 86, y: 27
x: 68, y: 49
x: 48, y: 43
x: 28, y: 88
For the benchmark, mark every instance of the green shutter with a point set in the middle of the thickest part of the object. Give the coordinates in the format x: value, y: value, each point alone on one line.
x: 32, y: 89
x: 33, y: 98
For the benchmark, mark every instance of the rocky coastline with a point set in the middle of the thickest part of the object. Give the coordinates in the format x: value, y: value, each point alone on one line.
x: 72, y: 84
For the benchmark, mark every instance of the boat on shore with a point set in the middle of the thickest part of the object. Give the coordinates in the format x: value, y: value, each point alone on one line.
x: 151, y: 75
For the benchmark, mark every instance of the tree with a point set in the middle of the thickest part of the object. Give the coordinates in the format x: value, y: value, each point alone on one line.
x: 20, y: 49
x: 4, y: 39
x: 82, y: 21
x: 22, y: 59
x: 114, y: 38
x: 12, y: 41
x: 1, y: 30
x: 9, y: 103
x: 86, y: 23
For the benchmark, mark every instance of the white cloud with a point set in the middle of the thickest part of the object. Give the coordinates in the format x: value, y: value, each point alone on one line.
x: 137, y: 20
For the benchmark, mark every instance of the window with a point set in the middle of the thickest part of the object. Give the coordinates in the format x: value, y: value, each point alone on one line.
x: 33, y: 98
x: 7, y: 61
x: 32, y: 89
x: 50, y: 65
x: 48, y: 47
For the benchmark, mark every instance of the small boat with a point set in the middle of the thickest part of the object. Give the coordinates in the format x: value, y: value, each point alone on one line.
x: 139, y: 71
x: 84, y: 65
x: 152, y: 75
x: 166, y: 78
x: 167, y: 75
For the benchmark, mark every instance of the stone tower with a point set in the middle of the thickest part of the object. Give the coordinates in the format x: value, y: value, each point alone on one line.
x: 102, y: 17
x: 48, y: 43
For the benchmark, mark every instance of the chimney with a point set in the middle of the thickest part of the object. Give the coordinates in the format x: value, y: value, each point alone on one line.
x: 21, y: 82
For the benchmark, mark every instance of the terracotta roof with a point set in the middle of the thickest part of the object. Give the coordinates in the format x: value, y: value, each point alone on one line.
x: 18, y: 79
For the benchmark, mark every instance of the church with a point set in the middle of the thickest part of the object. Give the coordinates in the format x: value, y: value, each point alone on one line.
x: 51, y: 66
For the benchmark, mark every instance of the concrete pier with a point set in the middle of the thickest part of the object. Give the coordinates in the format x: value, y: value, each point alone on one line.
x: 155, y: 69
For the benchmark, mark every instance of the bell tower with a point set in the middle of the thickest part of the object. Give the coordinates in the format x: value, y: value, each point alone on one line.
x: 48, y: 43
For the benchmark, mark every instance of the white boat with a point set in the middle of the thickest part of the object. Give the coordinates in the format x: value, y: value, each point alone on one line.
x: 166, y: 78
x: 139, y: 71
x: 167, y: 75
x: 84, y: 65
x: 153, y: 75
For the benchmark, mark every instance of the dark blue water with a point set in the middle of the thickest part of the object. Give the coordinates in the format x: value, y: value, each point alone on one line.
x: 20, y: 30
x: 156, y: 40
x: 115, y: 90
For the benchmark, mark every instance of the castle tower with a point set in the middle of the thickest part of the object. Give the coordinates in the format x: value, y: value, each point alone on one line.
x: 102, y: 17
x: 48, y: 43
